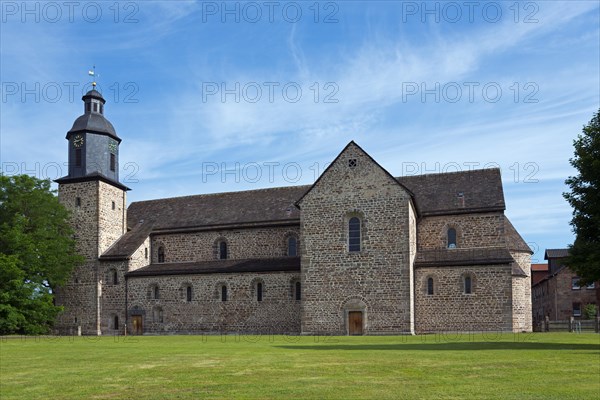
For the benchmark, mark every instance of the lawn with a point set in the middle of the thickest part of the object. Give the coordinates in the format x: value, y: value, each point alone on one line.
x: 454, y: 366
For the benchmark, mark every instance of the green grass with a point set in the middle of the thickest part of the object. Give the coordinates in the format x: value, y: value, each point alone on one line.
x: 496, y: 366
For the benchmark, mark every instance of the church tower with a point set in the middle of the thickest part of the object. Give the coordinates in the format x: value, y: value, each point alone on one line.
x: 97, y: 201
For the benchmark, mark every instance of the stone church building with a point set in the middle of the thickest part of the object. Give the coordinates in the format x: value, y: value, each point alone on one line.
x: 358, y: 252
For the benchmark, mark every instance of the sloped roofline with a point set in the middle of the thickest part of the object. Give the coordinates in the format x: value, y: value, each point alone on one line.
x: 94, y: 176
x: 219, y: 193
x: 352, y: 142
x: 552, y: 253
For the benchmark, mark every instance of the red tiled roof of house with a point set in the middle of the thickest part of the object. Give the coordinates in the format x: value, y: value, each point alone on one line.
x: 539, y: 267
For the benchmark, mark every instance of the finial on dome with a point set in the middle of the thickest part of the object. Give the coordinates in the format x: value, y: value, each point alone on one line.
x: 92, y: 72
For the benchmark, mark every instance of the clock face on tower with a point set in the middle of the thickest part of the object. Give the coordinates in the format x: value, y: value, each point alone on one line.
x: 112, y: 146
x: 78, y: 141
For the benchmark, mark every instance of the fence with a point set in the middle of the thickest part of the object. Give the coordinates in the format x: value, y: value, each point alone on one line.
x: 572, y: 325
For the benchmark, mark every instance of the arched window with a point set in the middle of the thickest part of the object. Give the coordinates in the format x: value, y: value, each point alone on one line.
x: 468, y: 284
x: 158, y: 315
x: 223, y: 293
x: 155, y: 292
x: 161, y: 254
x: 116, y: 322
x: 451, y: 238
x: 188, y: 293
x: 259, y: 291
x: 430, y: 286
x: 354, y: 234
x: 297, y: 291
x: 292, y: 246
x: 222, y: 250
x: 115, y: 276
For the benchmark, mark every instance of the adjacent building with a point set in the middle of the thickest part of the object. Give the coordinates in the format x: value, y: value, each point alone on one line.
x: 558, y: 295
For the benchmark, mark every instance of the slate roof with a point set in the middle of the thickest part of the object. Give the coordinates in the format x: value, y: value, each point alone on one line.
x: 514, y: 241
x: 220, y: 266
x: 93, y: 122
x: 434, y: 194
x: 219, y: 209
x: 439, y: 194
x: 518, y: 271
x: 128, y: 243
x: 556, y: 253
x: 460, y: 257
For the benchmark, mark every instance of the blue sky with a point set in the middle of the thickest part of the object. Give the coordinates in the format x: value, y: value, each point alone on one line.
x: 274, y: 90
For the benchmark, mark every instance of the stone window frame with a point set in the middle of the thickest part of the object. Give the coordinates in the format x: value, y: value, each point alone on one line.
x: 429, y: 278
x: 158, y: 315
x: 219, y: 291
x: 160, y: 250
x: 463, y: 281
x: 217, y: 248
x: 183, y: 292
x: 362, y: 232
x: 153, y: 291
x: 286, y: 243
x: 451, y: 244
x: 254, y: 290
x: 112, y: 276
x: 293, y: 282
x: 444, y: 235
x: 114, y: 322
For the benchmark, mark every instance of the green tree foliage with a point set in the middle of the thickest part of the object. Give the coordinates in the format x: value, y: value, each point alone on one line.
x: 584, y: 197
x: 37, y: 254
x: 589, y: 311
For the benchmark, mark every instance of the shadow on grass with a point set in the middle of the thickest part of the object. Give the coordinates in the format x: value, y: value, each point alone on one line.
x: 448, y: 346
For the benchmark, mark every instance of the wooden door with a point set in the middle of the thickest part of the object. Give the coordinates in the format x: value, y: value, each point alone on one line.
x: 136, y: 322
x: 355, y: 323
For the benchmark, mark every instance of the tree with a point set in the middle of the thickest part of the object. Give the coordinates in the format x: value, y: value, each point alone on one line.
x: 37, y: 254
x: 584, y: 253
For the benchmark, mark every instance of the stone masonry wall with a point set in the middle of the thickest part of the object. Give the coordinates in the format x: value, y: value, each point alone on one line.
x: 412, y: 223
x: 113, y: 294
x: 488, y: 308
x: 375, y: 280
x: 79, y: 295
x: 97, y: 226
x: 472, y: 230
x: 277, y: 313
x: 111, y: 221
x: 84, y: 218
x: 241, y: 243
x: 521, y: 294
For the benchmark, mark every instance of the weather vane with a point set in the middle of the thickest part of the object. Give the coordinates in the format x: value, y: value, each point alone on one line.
x: 92, y: 72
